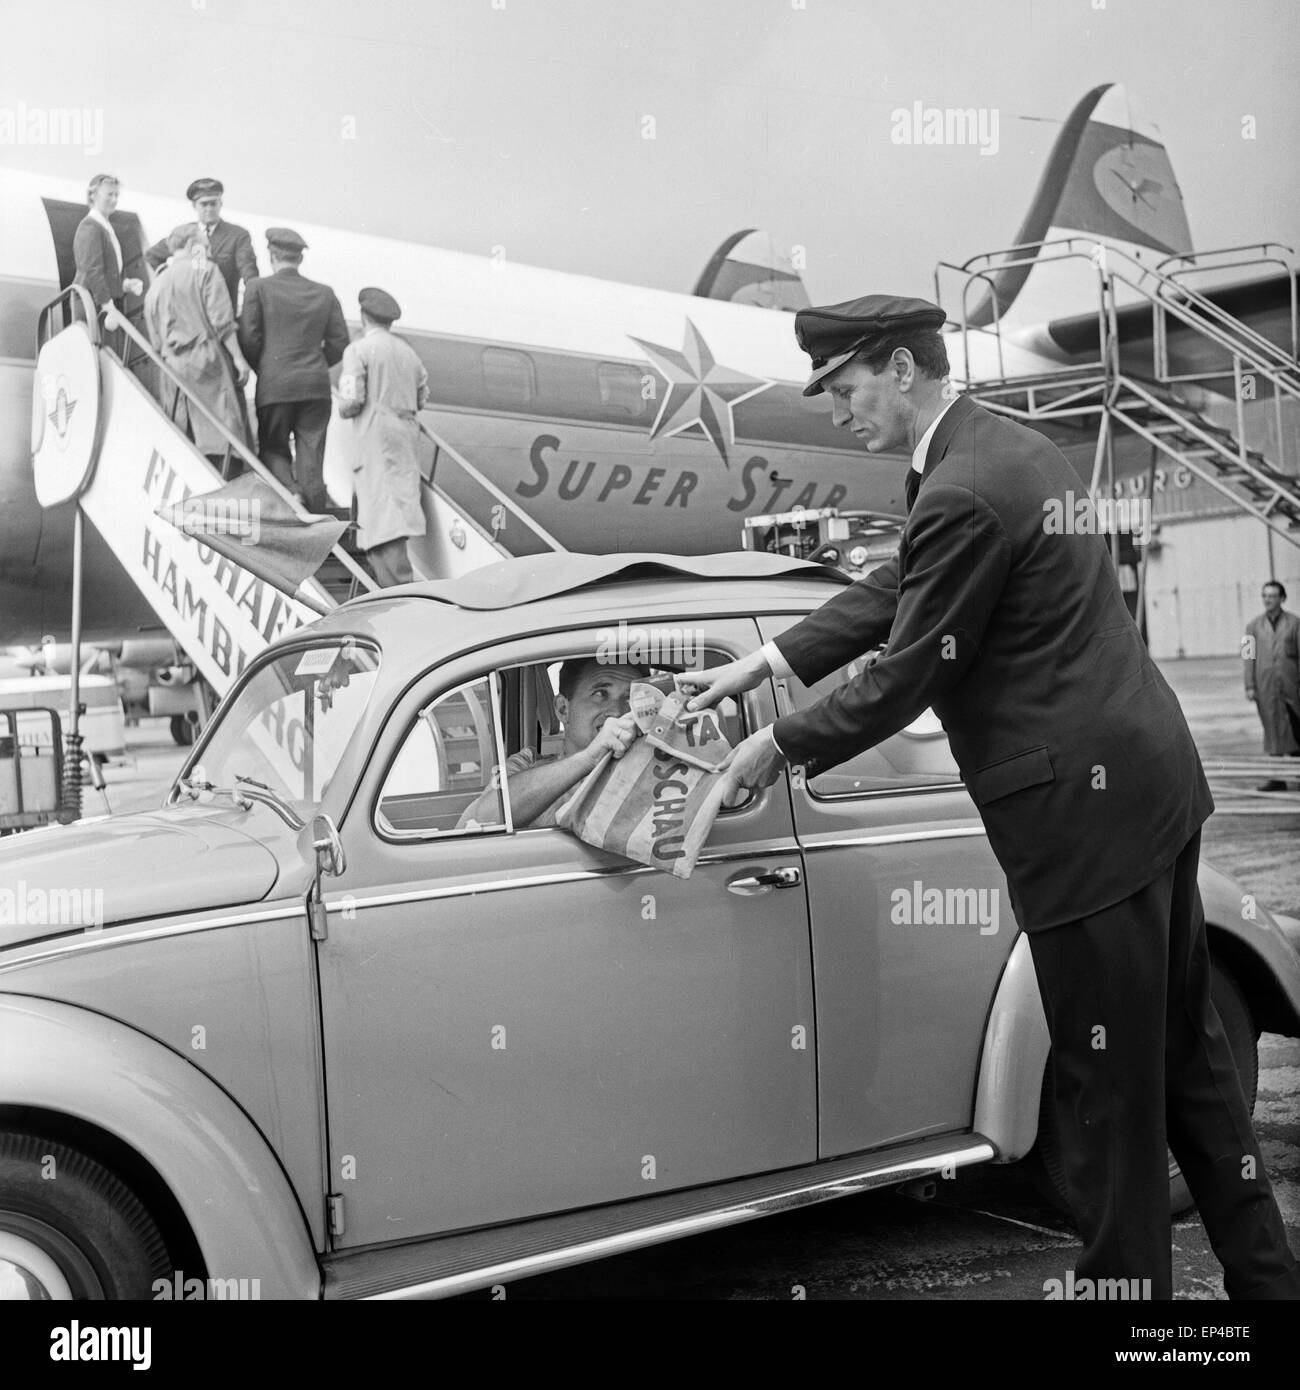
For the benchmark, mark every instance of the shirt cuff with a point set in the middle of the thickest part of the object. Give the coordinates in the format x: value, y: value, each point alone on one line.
x: 777, y: 664
x: 771, y: 733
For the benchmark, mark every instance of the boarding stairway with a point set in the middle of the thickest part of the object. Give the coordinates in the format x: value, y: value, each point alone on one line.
x: 220, y: 614
x: 1154, y: 400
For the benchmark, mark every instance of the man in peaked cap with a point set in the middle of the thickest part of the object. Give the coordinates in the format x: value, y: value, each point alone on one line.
x: 1077, y: 755
x: 382, y: 388
x: 230, y: 248
x: 291, y: 330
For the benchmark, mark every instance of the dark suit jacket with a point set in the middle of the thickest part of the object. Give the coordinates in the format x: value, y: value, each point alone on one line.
x: 127, y: 227
x: 1068, y: 738
x: 291, y: 330
x: 229, y: 247
x: 97, y: 267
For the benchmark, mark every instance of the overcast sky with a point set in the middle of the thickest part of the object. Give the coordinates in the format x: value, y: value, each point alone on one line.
x: 519, y: 123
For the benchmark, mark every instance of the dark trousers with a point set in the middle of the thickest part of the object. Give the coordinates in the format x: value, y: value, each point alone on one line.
x: 1139, y: 1053
x: 301, y: 468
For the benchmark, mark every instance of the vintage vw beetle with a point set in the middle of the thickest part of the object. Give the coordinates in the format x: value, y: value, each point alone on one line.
x: 302, y: 1032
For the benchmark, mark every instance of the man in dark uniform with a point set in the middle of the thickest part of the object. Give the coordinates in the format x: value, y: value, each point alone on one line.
x: 230, y: 248
x: 292, y: 332
x: 1078, y: 757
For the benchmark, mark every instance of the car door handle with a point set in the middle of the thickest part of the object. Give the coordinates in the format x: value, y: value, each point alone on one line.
x: 788, y: 877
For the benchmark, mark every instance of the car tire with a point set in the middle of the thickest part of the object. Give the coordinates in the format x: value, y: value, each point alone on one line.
x: 1238, y: 1024
x: 70, y: 1228
x: 182, y: 728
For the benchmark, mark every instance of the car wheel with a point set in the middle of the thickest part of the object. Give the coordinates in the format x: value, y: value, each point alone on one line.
x: 182, y: 730
x: 70, y: 1229
x: 1240, y: 1028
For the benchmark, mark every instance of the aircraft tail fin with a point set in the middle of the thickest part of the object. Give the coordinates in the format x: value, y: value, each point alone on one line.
x: 1108, y: 178
x: 748, y: 269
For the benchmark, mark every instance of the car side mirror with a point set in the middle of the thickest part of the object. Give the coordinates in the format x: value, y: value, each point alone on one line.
x: 330, y: 859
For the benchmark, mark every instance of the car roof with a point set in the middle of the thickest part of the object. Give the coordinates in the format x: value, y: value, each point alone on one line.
x: 419, y: 626
x: 534, y: 578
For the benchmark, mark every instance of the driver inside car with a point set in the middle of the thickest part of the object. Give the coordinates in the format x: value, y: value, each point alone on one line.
x: 593, y: 707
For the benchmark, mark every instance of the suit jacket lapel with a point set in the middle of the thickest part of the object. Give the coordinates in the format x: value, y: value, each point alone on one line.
x: 953, y: 419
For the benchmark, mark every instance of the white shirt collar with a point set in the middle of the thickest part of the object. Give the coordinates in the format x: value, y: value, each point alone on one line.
x: 109, y: 228
x: 923, y: 444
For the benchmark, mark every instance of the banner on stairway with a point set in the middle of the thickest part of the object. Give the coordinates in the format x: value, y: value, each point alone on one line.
x: 250, y: 523
x: 221, y: 611
x: 65, y: 415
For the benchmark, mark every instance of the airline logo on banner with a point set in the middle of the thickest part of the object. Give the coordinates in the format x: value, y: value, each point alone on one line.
x: 221, y: 615
x: 65, y: 415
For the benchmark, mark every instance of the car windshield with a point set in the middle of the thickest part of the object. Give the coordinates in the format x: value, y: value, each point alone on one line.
x: 289, y: 726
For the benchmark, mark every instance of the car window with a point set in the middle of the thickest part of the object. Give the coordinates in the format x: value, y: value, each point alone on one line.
x: 918, y: 756
x: 454, y: 771
x: 447, y: 764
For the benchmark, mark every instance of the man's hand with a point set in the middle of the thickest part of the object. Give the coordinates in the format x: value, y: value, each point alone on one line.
x: 755, y: 763
x: 241, y: 370
x: 720, y: 681
x: 614, y: 736
x: 132, y: 285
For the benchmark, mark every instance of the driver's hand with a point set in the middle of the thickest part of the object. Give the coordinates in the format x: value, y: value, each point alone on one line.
x: 720, y: 681
x: 614, y: 736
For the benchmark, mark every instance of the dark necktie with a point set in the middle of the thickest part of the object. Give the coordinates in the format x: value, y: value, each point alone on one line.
x: 913, y: 484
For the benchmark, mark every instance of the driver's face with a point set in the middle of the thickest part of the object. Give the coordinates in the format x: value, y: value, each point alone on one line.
x: 601, y: 693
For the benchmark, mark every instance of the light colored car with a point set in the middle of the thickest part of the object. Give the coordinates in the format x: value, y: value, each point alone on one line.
x: 303, y: 1033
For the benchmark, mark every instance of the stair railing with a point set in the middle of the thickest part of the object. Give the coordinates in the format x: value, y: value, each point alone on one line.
x: 115, y: 321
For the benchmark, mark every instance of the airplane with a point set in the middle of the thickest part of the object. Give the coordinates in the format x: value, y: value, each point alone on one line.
x: 619, y: 417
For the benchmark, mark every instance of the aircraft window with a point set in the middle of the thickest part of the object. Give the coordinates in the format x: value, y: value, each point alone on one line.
x: 916, y: 757
x: 621, y: 388
x: 509, y: 375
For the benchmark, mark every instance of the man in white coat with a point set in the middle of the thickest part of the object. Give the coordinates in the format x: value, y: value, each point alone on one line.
x: 382, y: 387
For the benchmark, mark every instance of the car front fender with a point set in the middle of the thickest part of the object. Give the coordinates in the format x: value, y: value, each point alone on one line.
x: 227, y: 1181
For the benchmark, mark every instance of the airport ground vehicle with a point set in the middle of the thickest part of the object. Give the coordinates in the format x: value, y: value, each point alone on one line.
x: 308, y: 1032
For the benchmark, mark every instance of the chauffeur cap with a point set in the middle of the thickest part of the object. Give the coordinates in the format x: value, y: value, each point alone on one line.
x: 831, y: 335
x: 379, y: 305
x: 286, y: 238
x: 204, y: 188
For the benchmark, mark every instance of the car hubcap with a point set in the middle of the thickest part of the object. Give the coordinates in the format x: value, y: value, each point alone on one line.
x: 28, y: 1274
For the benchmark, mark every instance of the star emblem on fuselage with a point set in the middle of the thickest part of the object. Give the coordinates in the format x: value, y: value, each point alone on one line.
x: 61, y: 415
x: 701, y: 394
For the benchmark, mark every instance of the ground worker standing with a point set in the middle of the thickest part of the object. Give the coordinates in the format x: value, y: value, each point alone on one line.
x: 382, y: 388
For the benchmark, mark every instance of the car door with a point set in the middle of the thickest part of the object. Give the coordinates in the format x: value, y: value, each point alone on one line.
x: 911, y: 927
x: 516, y: 1023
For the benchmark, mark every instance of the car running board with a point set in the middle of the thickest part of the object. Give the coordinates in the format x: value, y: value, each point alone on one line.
x: 454, y: 1264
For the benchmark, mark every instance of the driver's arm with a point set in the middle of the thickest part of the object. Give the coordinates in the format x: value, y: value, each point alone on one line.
x: 535, y: 787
